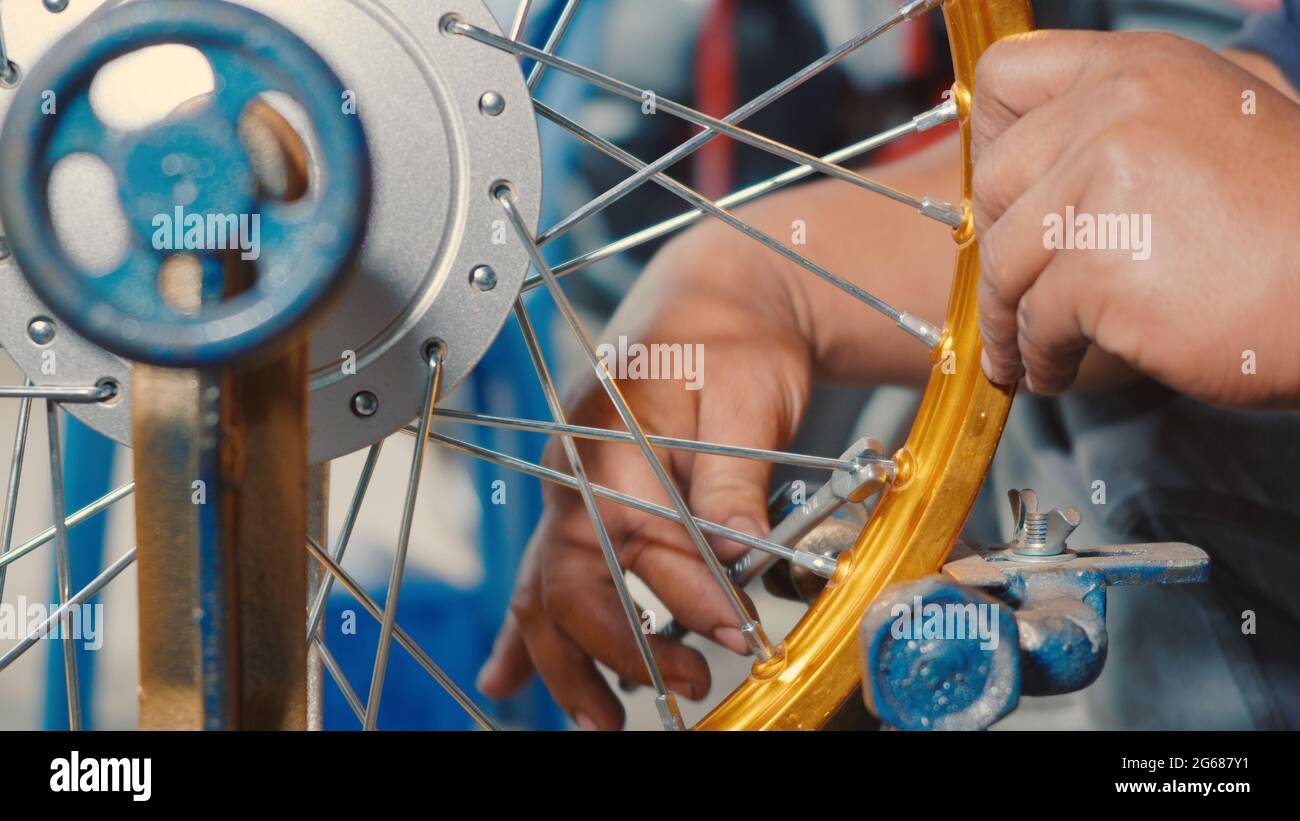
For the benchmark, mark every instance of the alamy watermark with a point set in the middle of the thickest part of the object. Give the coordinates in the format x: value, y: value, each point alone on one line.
x: 677, y: 362
x: 84, y: 622
x: 1098, y: 232
x: 920, y: 620
x: 180, y: 231
x: 73, y: 773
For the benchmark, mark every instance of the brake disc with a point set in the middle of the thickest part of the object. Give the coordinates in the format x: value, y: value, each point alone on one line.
x: 446, y: 120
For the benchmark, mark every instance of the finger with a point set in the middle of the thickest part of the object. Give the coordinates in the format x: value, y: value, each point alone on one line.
x: 1035, y: 143
x: 571, y: 677
x: 679, y: 577
x: 569, y: 673
x: 1051, y: 335
x: 508, y: 668
x: 1023, y: 154
x: 1020, y: 73
x: 1013, y: 252
x: 733, y: 492
x: 580, y: 598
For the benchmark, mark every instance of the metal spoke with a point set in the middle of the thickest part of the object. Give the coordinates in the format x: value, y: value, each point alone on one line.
x: 669, y: 442
x: 910, y: 323
x: 942, y: 212
x: 553, y: 41
x: 434, y: 355
x: 8, y: 73
x: 336, y: 673
x: 750, y: 628
x: 401, y: 636
x: 669, y: 714
x: 812, y: 561
x: 71, y: 396
x: 521, y: 19
x: 111, y: 572
x: 613, y: 195
x: 47, y: 535
x: 941, y: 114
x: 345, y: 534
x: 15, y: 480
x: 63, y: 566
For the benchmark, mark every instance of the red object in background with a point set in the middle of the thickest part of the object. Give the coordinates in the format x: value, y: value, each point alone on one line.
x: 715, y: 95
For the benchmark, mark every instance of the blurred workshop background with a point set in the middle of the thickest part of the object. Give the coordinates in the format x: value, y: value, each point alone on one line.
x: 713, y: 55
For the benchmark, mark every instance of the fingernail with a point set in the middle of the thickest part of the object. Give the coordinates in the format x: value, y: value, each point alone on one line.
x: 732, y: 639
x: 683, y: 688
x: 583, y: 722
x: 987, y: 365
x: 1029, y: 382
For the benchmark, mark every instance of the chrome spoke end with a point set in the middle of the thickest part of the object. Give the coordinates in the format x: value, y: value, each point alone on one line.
x: 669, y: 714
x: 756, y: 638
x: 942, y: 114
x: 942, y: 212
x: 823, y: 566
x: 921, y: 329
x: 915, y: 8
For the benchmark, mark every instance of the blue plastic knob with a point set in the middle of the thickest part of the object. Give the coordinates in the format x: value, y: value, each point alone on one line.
x: 190, y: 179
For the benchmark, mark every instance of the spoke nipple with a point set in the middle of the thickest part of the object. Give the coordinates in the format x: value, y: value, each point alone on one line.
x: 669, y: 714
x: 904, y: 468
x: 942, y: 114
x: 943, y: 212
x: 919, y: 328
x: 757, y: 640
x: 816, y: 563
x: 911, y: 10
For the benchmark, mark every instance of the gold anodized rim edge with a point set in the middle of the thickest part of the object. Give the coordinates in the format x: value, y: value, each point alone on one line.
x: 951, y: 444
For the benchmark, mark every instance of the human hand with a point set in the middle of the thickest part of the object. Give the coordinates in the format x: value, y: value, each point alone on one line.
x: 1205, y: 296
x: 565, y: 613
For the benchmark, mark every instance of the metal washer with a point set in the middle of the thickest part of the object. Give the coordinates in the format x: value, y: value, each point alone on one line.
x: 436, y: 158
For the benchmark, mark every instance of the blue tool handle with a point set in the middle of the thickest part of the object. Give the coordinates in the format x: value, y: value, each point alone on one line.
x: 187, y: 185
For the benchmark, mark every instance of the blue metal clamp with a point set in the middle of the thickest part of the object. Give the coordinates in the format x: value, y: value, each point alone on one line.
x: 187, y: 177
x: 1036, y: 623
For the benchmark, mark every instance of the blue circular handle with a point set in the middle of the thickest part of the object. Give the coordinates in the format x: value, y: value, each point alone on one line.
x: 917, y: 676
x: 188, y: 179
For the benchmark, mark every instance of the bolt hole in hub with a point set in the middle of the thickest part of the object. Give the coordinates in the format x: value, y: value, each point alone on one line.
x: 445, y: 117
x: 10, y: 74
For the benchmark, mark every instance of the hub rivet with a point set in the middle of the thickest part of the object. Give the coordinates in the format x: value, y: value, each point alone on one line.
x: 365, y: 404
x: 492, y: 104
x: 41, y: 331
x: 483, y: 277
x: 56, y: 6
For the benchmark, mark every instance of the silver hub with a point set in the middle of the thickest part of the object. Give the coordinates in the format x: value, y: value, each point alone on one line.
x: 435, y: 231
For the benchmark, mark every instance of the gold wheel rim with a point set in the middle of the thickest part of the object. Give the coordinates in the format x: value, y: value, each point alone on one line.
x: 941, y: 468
